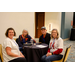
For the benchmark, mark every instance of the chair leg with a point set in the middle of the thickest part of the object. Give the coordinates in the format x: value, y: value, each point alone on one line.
x: 0, y: 59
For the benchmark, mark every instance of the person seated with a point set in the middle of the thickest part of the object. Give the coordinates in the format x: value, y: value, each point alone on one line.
x: 10, y: 48
x: 24, y: 38
x: 55, y: 48
x: 45, y: 37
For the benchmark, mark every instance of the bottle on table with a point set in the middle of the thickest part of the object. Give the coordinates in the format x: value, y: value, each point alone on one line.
x: 31, y: 41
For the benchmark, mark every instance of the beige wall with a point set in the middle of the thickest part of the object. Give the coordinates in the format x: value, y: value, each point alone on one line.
x: 54, y: 18
x: 17, y: 20
x: 21, y: 20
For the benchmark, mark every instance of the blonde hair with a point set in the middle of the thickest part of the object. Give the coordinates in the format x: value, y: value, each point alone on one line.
x: 57, y: 33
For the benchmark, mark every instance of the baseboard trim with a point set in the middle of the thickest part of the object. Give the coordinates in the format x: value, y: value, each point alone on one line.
x: 66, y: 39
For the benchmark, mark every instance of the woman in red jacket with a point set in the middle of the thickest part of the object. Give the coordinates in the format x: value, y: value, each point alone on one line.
x: 55, y: 48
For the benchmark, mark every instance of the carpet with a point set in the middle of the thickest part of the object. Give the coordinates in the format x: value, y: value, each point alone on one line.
x: 71, y: 57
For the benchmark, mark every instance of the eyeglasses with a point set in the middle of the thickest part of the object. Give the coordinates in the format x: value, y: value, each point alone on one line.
x: 54, y: 32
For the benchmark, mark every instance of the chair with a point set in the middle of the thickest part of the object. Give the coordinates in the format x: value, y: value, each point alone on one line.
x: 65, y: 55
x: 1, y: 53
x: 15, y: 39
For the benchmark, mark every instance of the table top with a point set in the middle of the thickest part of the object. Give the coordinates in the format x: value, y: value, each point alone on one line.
x: 37, y: 45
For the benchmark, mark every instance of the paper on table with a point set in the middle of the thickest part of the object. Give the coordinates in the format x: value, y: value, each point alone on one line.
x: 40, y: 46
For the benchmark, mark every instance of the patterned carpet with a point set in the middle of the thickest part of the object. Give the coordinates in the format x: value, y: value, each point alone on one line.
x: 71, y: 57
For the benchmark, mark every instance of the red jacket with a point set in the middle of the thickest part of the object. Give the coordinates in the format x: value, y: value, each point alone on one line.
x: 58, y: 51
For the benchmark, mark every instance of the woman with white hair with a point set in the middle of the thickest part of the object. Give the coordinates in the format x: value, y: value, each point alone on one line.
x: 24, y: 38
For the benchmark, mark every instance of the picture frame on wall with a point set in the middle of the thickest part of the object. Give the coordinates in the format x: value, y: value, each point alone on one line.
x: 50, y: 26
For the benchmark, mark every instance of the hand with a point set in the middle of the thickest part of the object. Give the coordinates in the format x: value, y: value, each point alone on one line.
x: 22, y: 55
x: 40, y: 42
x: 19, y: 56
x: 23, y: 47
x: 48, y: 54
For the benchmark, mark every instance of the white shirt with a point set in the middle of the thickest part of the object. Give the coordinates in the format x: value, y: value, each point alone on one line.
x: 14, y: 49
x: 58, y: 44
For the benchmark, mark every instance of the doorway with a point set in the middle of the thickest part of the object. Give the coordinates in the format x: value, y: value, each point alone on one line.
x: 39, y: 22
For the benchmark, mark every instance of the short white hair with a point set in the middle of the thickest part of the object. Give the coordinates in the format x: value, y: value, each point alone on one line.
x: 25, y: 30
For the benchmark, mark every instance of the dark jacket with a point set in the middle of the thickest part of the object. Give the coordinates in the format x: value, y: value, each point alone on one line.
x: 46, y: 39
x: 21, y: 42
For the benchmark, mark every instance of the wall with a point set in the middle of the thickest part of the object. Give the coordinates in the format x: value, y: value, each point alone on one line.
x: 55, y: 19
x: 62, y: 24
x: 17, y: 20
x: 21, y: 20
x: 67, y: 17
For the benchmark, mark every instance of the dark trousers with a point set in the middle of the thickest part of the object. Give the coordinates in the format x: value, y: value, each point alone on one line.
x: 21, y: 49
x: 18, y: 60
x: 51, y: 58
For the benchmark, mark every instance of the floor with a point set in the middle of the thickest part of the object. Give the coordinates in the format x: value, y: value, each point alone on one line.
x: 71, y: 57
